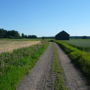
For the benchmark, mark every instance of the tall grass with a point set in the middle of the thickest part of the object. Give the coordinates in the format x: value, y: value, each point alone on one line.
x: 13, y: 66
x: 81, y: 59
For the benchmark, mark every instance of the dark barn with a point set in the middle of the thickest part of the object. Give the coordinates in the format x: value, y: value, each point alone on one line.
x: 62, y: 36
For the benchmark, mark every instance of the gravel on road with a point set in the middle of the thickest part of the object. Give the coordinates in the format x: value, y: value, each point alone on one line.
x: 74, y: 79
x: 40, y: 77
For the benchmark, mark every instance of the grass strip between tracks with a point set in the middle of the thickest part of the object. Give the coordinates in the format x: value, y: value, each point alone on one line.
x: 59, y: 83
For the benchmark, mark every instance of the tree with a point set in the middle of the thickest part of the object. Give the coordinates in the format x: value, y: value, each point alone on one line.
x: 23, y: 36
x: 3, y: 33
x: 84, y: 37
x: 32, y: 36
x: 13, y: 34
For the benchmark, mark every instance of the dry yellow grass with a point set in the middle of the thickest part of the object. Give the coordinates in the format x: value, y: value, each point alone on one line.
x: 10, y: 45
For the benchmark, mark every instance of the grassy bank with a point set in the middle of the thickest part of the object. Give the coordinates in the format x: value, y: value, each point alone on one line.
x: 80, y: 58
x: 13, y: 66
x: 59, y: 83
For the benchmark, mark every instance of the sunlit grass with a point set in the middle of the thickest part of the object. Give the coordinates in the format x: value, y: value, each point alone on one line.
x: 59, y: 83
x: 13, y: 66
x: 80, y: 58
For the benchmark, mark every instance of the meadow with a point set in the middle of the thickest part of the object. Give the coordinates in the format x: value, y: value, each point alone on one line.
x: 83, y: 44
x: 14, y: 65
x: 19, y: 56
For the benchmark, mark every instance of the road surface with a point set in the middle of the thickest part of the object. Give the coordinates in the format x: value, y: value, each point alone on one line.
x: 40, y: 77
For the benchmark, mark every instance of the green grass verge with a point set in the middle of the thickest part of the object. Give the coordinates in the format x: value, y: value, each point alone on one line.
x: 13, y: 66
x: 80, y: 58
x: 59, y: 83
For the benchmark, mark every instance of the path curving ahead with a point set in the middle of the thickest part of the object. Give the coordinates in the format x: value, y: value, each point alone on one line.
x: 40, y: 77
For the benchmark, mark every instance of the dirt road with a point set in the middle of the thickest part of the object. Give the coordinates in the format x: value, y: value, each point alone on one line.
x: 40, y: 77
x: 74, y: 79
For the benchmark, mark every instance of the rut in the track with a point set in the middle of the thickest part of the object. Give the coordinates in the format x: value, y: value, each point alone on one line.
x: 40, y: 77
x: 74, y: 79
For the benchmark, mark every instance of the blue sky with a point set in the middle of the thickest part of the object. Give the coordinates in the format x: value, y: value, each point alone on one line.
x: 46, y: 17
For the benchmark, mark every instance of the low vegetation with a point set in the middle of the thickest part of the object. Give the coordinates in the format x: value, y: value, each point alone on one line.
x: 13, y: 66
x: 80, y: 58
x: 59, y: 83
x: 83, y: 44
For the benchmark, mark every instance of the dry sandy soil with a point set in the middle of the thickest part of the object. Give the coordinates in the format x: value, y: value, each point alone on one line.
x: 10, y: 45
x: 40, y: 77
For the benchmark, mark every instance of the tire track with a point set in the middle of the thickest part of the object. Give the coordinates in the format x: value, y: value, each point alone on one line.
x: 74, y: 79
x: 39, y: 77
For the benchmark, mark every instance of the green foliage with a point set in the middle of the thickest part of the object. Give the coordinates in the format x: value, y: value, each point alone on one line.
x: 29, y: 36
x: 80, y: 58
x: 9, y: 34
x: 13, y: 34
x: 3, y: 33
x: 59, y: 83
x: 13, y: 66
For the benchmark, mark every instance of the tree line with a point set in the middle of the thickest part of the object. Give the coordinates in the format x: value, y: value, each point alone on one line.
x: 14, y: 34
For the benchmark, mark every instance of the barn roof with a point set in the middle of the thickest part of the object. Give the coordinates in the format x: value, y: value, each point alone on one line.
x: 62, y: 32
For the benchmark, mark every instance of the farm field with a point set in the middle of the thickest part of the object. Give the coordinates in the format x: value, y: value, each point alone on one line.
x: 53, y: 71
x: 45, y: 45
x: 40, y: 67
x: 14, y: 65
x: 83, y: 44
x: 11, y: 44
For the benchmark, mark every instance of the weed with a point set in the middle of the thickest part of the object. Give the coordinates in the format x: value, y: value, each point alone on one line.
x: 13, y: 66
x: 59, y: 83
x: 80, y: 58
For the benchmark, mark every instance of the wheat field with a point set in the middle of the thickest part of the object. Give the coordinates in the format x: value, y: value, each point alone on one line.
x: 9, y: 45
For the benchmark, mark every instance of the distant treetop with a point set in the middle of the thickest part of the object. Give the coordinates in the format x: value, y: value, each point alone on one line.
x: 14, y: 34
x: 9, y: 34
